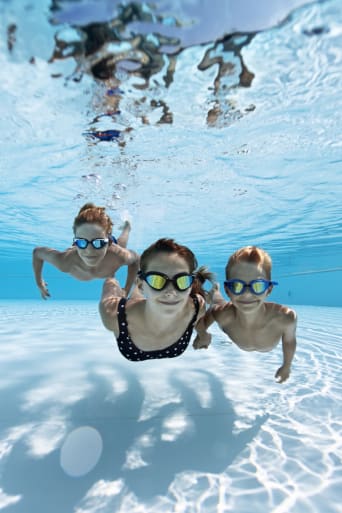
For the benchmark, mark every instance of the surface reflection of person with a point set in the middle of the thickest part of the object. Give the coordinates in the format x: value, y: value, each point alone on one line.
x: 158, y: 319
x: 95, y: 253
x: 249, y: 321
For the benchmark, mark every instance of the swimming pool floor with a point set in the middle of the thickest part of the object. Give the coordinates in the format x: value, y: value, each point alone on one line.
x: 83, y: 430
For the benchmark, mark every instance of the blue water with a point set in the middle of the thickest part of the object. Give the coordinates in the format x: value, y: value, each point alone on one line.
x: 265, y: 172
x: 226, y: 142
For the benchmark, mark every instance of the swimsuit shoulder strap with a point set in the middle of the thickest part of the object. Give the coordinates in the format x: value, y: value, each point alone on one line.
x: 122, y: 311
x: 197, y: 307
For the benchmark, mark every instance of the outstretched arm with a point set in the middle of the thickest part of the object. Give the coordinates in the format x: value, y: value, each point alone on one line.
x: 41, y: 254
x: 111, y: 294
x: 132, y: 270
x: 289, y: 347
x: 203, y: 338
x: 123, y: 237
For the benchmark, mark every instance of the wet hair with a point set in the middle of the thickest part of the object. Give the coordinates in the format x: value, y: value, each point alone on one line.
x: 90, y: 213
x: 253, y: 255
x: 170, y: 246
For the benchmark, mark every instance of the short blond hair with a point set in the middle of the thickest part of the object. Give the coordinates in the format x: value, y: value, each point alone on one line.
x: 253, y: 255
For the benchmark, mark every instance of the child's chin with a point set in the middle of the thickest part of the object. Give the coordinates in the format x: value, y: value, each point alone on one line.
x: 248, y: 304
x: 91, y: 262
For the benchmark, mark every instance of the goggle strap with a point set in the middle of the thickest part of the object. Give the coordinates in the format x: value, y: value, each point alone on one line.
x: 82, y: 243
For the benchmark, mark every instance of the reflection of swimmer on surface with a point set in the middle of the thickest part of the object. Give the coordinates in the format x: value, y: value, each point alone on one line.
x: 102, y: 48
x: 231, y: 45
x: 247, y: 319
x: 95, y: 253
x: 158, y: 319
x: 226, y: 53
x: 141, y: 42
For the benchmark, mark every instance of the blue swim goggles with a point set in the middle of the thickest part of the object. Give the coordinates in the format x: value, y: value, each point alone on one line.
x: 96, y: 243
x: 158, y: 281
x: 257, y: 287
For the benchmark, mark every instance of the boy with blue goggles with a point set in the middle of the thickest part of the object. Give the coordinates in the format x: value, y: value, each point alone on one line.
x: 251, y: 322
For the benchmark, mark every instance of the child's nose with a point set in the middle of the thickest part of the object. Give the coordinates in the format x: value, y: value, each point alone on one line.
x: 170, y: 289
x: 89, y: 249
x: 248, y: 291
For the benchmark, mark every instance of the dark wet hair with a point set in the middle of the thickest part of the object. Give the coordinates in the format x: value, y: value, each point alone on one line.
x: 253, y: 255
x: 90, y: 213
x: 170, y: 246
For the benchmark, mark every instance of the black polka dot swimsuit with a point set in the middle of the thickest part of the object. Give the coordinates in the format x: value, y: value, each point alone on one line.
x: 130, y: 351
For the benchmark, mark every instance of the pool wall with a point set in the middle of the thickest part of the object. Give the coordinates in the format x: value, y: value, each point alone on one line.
x: 311, y: 287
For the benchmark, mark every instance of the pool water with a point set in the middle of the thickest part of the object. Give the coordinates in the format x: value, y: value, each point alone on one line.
x: 222, y: 128
x: 252, y: 161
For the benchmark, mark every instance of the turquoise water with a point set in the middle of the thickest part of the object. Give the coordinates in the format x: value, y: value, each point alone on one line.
x: 266, y: 171
x: 225, y: 142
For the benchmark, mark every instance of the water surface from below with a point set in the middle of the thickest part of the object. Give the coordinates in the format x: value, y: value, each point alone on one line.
x: 241, y: 147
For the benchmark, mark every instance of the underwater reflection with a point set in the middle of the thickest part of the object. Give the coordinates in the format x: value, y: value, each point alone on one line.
x: 141, y: 42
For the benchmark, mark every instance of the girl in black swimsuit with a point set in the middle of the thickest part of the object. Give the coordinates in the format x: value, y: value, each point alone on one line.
x: 158, y: 319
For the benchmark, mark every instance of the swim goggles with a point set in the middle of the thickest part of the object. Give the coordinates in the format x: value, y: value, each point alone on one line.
x: 158, y: 281
x: 257, y: 287
x: 96, y: 243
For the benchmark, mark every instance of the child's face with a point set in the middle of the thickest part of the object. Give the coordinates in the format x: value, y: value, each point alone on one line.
x: 169, y: 298
x: 247, y: 272
x: 90, y: 255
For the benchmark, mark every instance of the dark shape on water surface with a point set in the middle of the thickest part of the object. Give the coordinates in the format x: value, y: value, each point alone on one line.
x: 104, y: 135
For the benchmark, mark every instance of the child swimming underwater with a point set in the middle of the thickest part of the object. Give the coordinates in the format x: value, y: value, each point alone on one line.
x: 250, y: 322
x: 157, y: 322
x: 95, y: 253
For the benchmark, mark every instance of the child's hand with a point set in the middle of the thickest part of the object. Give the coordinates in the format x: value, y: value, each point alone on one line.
x: 282, y: 374
x: 202, y: 342
x: 44, y: 290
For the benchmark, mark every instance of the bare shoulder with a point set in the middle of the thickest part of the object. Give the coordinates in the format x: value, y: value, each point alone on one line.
x: 126, y: 256
x: 67, y: 259
x: 63, y: 260
x: 109, y: 305
x: 224, y: 314
x: 109, y: 309
x: 283, y: 314
x: 134, y: 308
